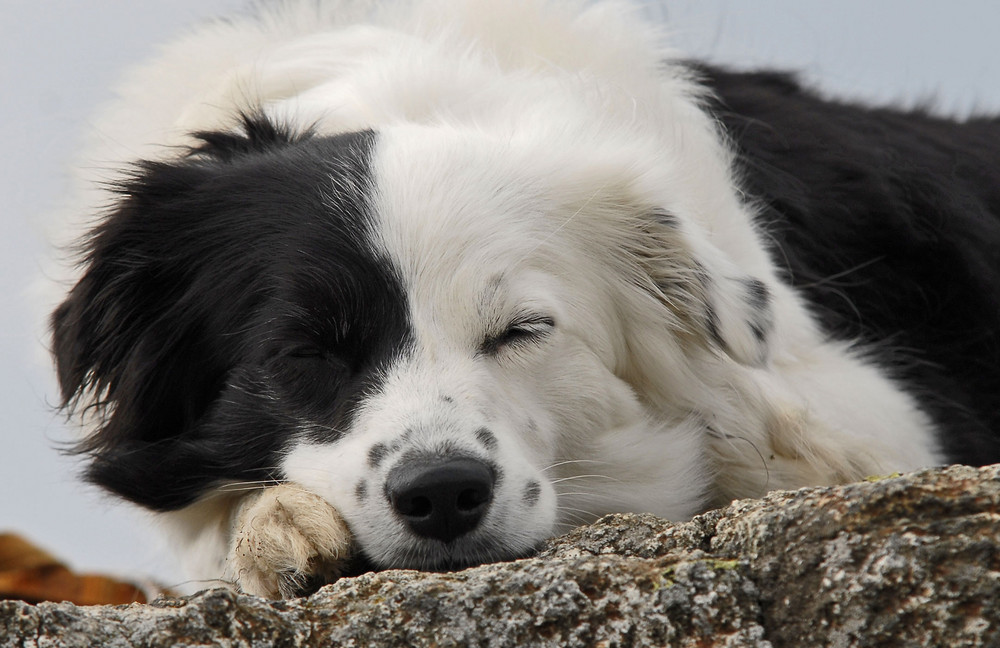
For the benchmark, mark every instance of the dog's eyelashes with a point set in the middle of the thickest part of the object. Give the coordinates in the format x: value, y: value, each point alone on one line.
x: 524, y: 330
x: 528, y: 329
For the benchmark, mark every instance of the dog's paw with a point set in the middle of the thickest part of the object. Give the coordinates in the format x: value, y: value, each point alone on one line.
x: 286, y: 541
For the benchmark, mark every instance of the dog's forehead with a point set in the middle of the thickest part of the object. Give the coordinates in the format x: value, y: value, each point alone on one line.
x: 457, y: 219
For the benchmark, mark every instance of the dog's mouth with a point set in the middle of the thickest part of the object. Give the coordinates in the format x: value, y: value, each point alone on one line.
x: 445, y: 559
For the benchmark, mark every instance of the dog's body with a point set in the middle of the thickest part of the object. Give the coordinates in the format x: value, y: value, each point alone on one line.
x: 464, y: 274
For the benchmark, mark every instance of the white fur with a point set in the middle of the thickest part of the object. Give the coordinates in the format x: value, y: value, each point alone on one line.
x: 521, y: 147
x: 282, y: 535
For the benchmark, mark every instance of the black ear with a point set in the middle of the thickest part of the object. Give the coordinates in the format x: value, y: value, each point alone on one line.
x: 137, y: 340
x: 158, y: 343
x: 129, y: 340
x: 143, y: 342
x: 154, y: 337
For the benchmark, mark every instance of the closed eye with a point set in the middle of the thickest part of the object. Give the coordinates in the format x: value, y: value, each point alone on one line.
x: 312, y: 361
x: 524, y: 330
x: 304, y: 352
x: 317, y: 354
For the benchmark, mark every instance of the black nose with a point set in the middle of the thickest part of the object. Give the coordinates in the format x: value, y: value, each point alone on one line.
x: 441, y: 499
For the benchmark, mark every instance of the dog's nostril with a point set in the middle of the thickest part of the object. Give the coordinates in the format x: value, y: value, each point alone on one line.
x: 471, y: 499
x: 441, y: 498
x: 416, y: 507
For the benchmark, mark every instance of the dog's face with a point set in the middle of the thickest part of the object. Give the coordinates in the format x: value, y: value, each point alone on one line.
x: 445, y: 336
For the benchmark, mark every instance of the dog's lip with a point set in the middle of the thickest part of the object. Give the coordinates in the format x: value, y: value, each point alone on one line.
x: 445, y: 560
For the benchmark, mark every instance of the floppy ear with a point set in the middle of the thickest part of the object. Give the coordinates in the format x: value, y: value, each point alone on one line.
x: 140, y: 339
x: 720, y: 304
x: 738, y: 317
x: 128, y: 340
x: 156, y: 344
x: 706, y: 298
x: 144, y: 342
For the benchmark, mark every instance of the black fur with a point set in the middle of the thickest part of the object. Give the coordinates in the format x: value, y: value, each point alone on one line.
x: 888, y: 222
x: 228, y: 299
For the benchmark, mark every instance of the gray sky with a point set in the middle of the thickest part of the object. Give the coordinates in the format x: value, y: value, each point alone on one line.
x: 58, y: 59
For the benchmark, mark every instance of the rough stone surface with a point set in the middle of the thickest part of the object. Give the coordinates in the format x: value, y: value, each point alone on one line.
x: 901, y: 561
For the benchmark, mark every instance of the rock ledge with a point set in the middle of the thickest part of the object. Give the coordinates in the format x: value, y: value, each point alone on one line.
x: 903, y: 561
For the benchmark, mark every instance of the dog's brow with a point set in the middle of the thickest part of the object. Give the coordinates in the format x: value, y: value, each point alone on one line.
x: 495, y: 284
x: 495, y: 287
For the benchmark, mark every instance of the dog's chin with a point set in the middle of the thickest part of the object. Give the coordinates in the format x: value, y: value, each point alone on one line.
x: 437, y: 556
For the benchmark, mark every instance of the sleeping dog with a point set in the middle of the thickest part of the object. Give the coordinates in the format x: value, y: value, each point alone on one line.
x: 427, y: 283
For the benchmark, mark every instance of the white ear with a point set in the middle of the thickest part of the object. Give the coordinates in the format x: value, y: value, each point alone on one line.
x: 738, y: 317
x: 727, y: 308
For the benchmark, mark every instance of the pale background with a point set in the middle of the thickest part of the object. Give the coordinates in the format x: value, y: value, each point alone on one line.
x: 58, y: 59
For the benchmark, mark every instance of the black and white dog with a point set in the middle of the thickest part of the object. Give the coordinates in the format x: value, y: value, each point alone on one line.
x: 429, y: 284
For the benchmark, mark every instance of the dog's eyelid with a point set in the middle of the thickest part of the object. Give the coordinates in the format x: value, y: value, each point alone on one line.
x: 313, y: 353
x: 305, y: 351
x: 523, y: 329
x: 532, y: 324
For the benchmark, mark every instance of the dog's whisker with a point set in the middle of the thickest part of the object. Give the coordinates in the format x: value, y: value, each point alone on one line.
x: 263, y: 482
x: 572, y: 520
x: 318, y: 469
x: 574, y: 461
x: 241, y: 489
x: 575, y: 477
x: 578, y: 510
x: 255, y: 484
x: 575, y: 517
x: 580, y: 494
x: 729, y: 438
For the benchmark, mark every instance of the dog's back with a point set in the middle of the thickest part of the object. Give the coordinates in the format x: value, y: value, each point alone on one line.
x: 888, y: 223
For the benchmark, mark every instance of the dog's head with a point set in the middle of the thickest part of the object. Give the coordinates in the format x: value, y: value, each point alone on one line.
x: 460, y: 343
